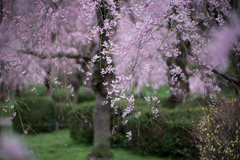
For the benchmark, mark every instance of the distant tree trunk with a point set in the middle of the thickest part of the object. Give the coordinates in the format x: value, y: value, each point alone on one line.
x: 48, y: 83
x: 182, y: 84
x: 101, y: 111
x: 2, y: 85
x: 75, y: 81
x: 2, y: 91
x: 19, y: 90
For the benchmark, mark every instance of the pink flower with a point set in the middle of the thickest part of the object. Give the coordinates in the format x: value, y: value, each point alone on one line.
x: 129, y: 135
x: 114, y: 130
x: 138, y: 115
x: 14, y: 115
x: 124, y: 122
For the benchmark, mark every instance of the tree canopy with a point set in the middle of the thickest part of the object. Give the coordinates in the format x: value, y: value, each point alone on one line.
x: 120, y: 46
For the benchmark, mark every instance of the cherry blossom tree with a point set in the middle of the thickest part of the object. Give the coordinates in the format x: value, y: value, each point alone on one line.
x: 119, y: 45
x: 48, y: 19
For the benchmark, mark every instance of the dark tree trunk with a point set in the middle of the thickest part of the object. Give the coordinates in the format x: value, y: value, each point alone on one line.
x: 101, y: 121
x: 19, y: 91
x: 48, y: 83
x: 101, y: 115
x: 75, y: 81
x: 2, y: 91
x: 101, y: 111
x: 182, y: 85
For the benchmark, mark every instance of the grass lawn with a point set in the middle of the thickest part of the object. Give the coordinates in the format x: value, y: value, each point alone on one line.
x: 59, y: 146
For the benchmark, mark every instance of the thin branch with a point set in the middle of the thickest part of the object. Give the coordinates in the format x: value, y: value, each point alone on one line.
x: 58, y: 55
x: 227, y: 77
x: 139, y: 45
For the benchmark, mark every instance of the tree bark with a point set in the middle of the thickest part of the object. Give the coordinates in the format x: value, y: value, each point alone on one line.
x: 48, y: 83
x: 181, y: 85
x: 101, y: 112
x: 101, y: 122
x: 101, y: 115
x: 75, y: 81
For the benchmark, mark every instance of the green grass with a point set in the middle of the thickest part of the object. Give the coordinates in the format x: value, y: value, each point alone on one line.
x: 49, y: 146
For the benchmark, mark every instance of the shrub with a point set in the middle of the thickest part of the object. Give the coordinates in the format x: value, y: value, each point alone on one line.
x: 40, y: 90
x: 34, y: 114
x: 218, y: 132
x: 80, y: 122
x: 64, y: 95
x: 61, y: 113
x: 164, y: 135
x: 84, y: 96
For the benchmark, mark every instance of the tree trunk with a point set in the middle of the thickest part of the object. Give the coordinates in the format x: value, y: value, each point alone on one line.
x: 181, y: 85
x: 75, y: 81
x: 101, y: 122
x: 101, y: 111
x: 48, y: 83
x: 19, y: 90
x: 2, y: 91
x: 101, y: 114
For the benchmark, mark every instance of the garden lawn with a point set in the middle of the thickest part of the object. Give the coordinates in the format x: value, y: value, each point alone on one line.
x: 59, y: 146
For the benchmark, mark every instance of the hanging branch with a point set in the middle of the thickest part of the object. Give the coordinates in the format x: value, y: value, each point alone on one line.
x: 58, y: 55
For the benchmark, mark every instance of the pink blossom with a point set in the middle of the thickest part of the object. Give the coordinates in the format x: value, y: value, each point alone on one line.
x: 114, y: 130
x: 129, y: 135
x: 155, y: 111
x: 124, y: 122
x: 138, y: 115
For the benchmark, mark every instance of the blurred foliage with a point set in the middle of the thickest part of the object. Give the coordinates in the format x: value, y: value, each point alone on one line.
x: 34, y: 114
x: 39, y: 90
x: 80, y: 122
x: 163, y: 92
x: 164, y: 135
x: 217, y: 135
x: 61, y: 113
x: 59, y: 93
x: 65, y: 95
